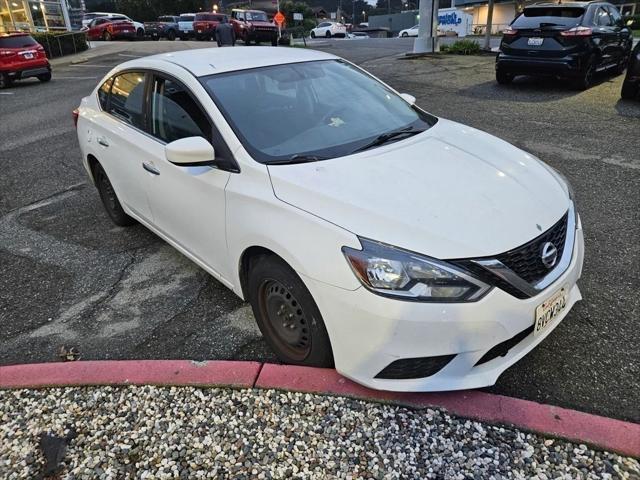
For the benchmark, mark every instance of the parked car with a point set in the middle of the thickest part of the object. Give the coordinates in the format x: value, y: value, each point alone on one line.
x: 205, y: 25
x: 358, y: 35
x: 104, y: 28
x: 22, y: 57
x: 88, y: 17
x: 185, y: 25
x: 631, y: 84
x: 254, y: 26
x: 329, y: 29
x: 573, y: 40
x: 165, y: 27
x: 409, y: 32
x: 415, y: 252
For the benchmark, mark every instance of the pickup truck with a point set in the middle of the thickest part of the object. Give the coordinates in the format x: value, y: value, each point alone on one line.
x: 185, y: 25
x: 254, y: 26
x: 165, y: 27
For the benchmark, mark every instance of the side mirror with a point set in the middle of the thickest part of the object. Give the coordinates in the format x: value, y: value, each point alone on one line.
x: 410, y: 99
x: 190, y: 152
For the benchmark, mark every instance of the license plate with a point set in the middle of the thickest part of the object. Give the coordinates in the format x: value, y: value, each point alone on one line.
x: 28, y: 56
x: 550, y: 309
x: 535, y: 41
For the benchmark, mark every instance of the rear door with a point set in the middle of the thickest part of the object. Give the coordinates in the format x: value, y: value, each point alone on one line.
x: 605, y: 35
x: 623, y: 34
x: 537, y: 32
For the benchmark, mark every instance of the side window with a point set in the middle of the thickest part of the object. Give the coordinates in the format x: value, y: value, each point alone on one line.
x: 103, y: 93
x: 175, y: 114
x: 127, y: 98
x: 602, y: 18
x: 615, y: 15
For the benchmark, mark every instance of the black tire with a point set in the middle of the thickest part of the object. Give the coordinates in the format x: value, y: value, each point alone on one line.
x: 405, y: 34
x: 286, y: 314
x: 313, y: 34
x: 155, y: 38
x: 5, y: 81
x: 45, y: 77
x: 274, y: 42
x: 106, y: 36
x: 630, y: 90
x: 171, y: 35
x: 585, y: 80
x: 504, y: 78
x: 140, y: 34
x: 110, y: 199
x: 328, y: 34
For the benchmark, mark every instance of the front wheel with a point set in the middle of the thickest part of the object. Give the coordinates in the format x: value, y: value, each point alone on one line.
x: 313, y: 34
x: 5, y: 81
x: 274, y: 42
x: 629, y: 90
x: 45, y: 77
x: 287, y: 315
x: 171, y: 36
x: 140, y: 34
x: 110, y: 199
x: 405, y: 34
x: 328, y: 34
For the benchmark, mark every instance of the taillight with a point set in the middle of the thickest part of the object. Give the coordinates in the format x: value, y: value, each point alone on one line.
x: 577, y: 32
x: 509, y: 32
x: 75, y: 114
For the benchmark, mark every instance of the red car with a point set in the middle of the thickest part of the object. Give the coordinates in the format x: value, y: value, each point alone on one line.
x: 22, y: 57
x: 103, y: 28
x: 204, y: 25
x: 254, y: 26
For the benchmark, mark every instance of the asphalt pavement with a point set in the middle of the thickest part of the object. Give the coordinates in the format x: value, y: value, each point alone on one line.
x: 70, y: 278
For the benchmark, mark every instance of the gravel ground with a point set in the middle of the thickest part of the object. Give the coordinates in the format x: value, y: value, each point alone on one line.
x: 154, y: 432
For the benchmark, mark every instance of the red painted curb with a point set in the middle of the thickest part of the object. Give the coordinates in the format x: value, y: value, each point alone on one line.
x: 606, y: 433
x: 130, y: 372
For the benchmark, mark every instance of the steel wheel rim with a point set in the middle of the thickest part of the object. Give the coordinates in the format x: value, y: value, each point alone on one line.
x: 285, y: 320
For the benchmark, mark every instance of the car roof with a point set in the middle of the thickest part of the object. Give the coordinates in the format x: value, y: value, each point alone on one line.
x: 210, y: 61
x: 563, y: 4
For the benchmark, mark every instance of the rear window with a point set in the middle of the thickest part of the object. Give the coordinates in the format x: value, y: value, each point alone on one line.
x: 549, y: 17
x: 18, y: 41
x: 187, y: 18
x: 165, y: 19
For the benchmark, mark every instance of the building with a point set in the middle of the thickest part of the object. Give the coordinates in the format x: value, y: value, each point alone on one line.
x: 40, y: 16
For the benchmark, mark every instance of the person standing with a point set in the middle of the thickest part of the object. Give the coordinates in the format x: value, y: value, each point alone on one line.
x: 225, y: 35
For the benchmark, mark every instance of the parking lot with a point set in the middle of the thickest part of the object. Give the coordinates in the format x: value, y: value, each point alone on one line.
x: 72, y: 279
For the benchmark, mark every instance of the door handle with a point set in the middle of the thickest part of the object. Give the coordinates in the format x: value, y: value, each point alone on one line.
x: 102, y: 142
x: 150, y: 168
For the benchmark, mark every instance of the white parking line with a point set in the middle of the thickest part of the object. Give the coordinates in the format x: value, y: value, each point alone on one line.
x: 74, y: 78
x: 6, y: 93
x: 129, y: 56
x: 91, y: 65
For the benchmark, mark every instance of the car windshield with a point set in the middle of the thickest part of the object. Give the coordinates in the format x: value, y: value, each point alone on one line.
x: 18, y: 41
x: 537, y: 17
x: 257, y: 16
x: 321, y: 109
x: 166, y: 19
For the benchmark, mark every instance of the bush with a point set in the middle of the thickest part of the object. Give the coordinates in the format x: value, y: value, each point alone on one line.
x: 462, y: 47
x: 60, y: 44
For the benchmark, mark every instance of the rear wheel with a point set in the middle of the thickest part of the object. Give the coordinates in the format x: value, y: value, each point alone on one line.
x: 45, y: 77
x: 405, y: 34
x: 110, y: 199
x: 5, y: 81
x: 585, y: 80
x: 328, y: 34
x: 140, y: 33
x: 287, y: 315
x: 504, y: 78
x: 246, y: 38
x: 171, y: 36
x: 629, y: 90
x: 274, y: 42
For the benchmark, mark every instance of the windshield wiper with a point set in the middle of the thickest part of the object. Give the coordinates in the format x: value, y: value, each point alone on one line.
x: 385, y: 137
x: 297, y: 158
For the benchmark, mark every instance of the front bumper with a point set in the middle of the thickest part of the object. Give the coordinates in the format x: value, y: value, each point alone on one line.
x: 568, y: 66
x: 369, y: 332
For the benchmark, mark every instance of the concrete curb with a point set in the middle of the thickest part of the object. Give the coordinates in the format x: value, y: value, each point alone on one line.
x: 605, y: 433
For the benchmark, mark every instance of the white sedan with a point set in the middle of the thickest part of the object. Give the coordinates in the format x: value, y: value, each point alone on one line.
x: 413, y: 252
x: 409, y: 32
x: 329, y: 29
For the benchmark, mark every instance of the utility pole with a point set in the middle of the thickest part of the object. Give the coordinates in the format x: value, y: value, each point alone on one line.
x: 427, y: 41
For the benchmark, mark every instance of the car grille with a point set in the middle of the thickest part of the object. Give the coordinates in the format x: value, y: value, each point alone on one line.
x: 526, y: 261
x: 407, y: 368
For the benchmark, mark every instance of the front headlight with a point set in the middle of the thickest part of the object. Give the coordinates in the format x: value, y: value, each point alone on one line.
x: 394, y: 272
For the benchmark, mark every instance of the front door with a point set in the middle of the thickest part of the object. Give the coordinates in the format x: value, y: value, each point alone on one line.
x: 188, y: 203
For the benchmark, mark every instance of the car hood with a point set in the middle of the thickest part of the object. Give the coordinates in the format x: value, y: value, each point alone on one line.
x: 450, y: 192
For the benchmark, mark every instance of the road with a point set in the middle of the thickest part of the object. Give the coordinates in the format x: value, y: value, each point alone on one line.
x: 70, y: 278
